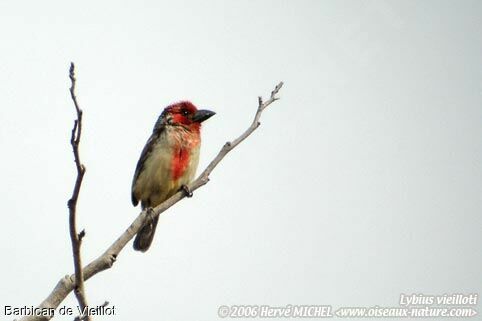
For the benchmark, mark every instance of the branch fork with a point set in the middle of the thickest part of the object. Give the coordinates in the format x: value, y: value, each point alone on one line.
x: 108, y: 258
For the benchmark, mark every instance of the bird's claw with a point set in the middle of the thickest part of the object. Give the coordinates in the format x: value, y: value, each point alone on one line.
x: 187, y: 191
x: 150, y: 215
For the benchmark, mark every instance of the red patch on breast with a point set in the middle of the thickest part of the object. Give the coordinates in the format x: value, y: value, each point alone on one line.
x: 179, y: 162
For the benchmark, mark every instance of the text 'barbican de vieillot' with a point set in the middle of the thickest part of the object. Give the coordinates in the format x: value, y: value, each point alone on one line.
x: 65, y: 310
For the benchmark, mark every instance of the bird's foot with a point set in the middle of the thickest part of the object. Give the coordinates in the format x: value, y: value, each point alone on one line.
x: 187, y: 191
x: 150, y: 215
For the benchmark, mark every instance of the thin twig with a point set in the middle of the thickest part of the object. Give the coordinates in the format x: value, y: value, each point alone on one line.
x: 75, y: 237
x: 107, y: 259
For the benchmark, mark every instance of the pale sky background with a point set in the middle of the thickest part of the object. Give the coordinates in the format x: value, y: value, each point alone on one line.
x: 363, y: 182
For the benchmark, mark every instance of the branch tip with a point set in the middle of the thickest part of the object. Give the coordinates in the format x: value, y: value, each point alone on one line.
x: 71, y: 69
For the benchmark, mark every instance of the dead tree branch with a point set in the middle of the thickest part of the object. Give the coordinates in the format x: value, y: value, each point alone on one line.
x: 107, y: 259
x: 75, y: 237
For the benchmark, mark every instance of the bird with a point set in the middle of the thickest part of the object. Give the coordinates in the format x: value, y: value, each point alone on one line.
x: 168, y: 162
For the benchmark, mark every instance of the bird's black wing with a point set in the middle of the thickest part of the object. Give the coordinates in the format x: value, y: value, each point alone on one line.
x: 146, y: 151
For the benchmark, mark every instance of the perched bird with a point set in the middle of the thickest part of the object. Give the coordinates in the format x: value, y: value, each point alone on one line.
x: 168, y: 162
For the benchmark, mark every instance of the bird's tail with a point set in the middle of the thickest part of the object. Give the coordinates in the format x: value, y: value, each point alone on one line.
x: 144, y: 237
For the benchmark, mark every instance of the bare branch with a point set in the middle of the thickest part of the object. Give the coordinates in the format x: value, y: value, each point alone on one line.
x: 75, y: 237
x: 107, y: 259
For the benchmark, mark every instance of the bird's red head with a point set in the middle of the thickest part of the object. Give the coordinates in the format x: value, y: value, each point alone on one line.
x: 184, y: 113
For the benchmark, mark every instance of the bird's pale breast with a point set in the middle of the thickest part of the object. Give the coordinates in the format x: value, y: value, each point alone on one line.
x: 171, y: 163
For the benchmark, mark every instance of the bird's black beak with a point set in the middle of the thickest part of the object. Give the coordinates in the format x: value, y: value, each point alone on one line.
x: 202, y: 115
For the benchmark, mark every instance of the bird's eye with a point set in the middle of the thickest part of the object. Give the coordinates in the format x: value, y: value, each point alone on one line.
x: 184, y: 112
